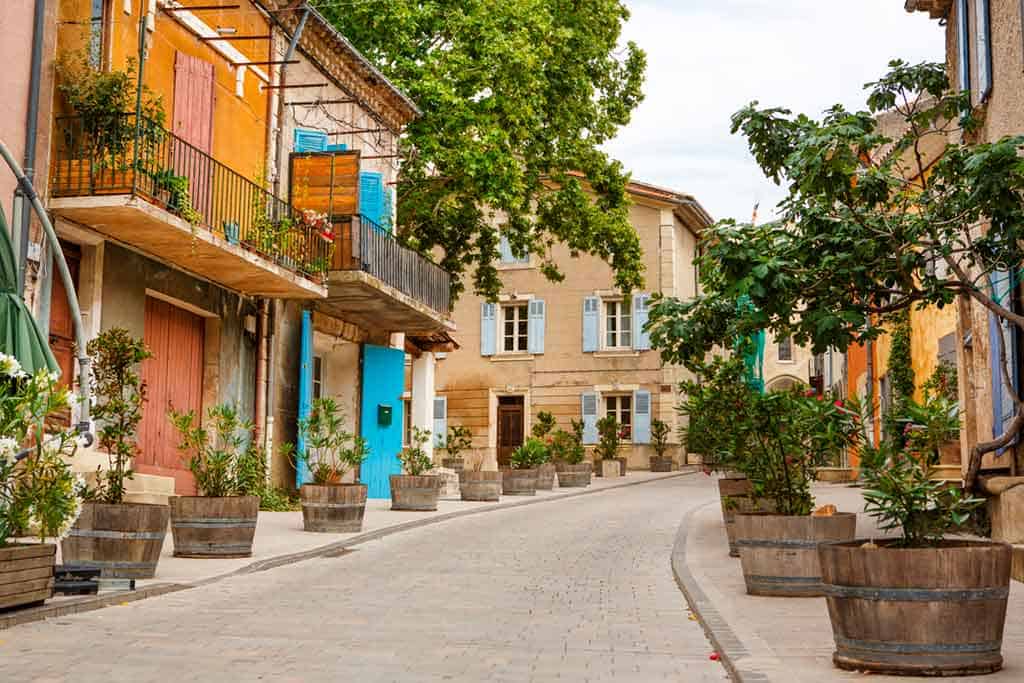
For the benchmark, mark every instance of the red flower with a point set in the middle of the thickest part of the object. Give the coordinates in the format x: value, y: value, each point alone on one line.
x: 839, y: 404
x: 809, y: 393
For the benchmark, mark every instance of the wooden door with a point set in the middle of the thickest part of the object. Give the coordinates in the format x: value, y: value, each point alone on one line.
x: 174, y: 379
x: 62, y: 329
x: 194, y: 80
x: 510, y: 428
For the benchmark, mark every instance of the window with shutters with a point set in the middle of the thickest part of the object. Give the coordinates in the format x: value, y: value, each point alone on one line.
x: 507, y: 257
x: 515, y: 328
x: 618, y: 324
x: 786, y: 350
x: 99, y: 17
x: 621, y: 408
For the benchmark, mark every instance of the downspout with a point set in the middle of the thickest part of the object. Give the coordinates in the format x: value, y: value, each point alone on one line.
x: 260, y: 409
x: 870, y: 371
x: 31, y: 134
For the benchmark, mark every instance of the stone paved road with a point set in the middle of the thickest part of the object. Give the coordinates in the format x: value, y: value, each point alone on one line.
x: 573, y: 590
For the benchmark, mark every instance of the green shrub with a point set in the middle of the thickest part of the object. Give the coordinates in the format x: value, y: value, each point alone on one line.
x: 533, y: 453
x: 221, y: 458
x: 414, y: 458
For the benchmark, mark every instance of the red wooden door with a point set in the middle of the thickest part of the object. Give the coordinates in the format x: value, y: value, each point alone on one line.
x: 62, y: 331
x: 194, y: 80
x: 174, y: 379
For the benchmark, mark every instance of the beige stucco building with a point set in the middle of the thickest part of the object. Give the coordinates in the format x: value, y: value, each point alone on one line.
x: 574, y: 348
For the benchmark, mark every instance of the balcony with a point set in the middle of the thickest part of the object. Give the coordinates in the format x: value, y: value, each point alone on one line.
x: 141, y: 185
x: 377, y: 283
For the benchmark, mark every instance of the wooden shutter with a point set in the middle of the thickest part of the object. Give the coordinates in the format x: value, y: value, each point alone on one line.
x: 983, y: 48
x: 641, y: 416
x: 309, y: 141
x: 440, y: 421
x: 589, y: 410
x: 591, y: 324
x: 488, y: 329
x: 641, y: 339
x: 371, y: 195
x: 1003, y: 408
x: 305, y: 393
x: 193, y: 101
x: 536, y: 326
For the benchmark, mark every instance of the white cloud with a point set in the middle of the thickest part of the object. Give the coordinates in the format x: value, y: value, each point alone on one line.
x: 708, y: 58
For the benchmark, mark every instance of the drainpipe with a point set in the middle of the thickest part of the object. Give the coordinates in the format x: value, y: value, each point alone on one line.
x: 31, y: 135
x: 870, y: 371
x: 281, y: 79
x: 260, y: 408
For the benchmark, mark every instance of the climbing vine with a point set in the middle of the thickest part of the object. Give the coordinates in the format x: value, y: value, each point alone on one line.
x: 900, y: 370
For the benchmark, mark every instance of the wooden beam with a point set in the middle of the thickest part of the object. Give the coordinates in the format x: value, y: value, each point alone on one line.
x: 207, y: 39
x: 306, y: 103
x: 297, y: 85
x: 198, y: 8
x: 360, y: 130
x: 269, y: 62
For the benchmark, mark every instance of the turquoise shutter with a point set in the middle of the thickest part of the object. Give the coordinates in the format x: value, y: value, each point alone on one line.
x: 641, y: 338
x: 589, y: 410
x: 536, y: 328
x: 591, y: 324
x: 1003, y: 408
x: 641, y: 416
x: 305, y: 393
x: 371, y: 195
x: 440, y: 421
x: 488, y: 329
x: 340, y: 147
x: 309, y: 140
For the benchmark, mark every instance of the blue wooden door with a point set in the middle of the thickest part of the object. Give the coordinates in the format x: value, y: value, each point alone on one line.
x: 305, y: 393
x: 383, y: 384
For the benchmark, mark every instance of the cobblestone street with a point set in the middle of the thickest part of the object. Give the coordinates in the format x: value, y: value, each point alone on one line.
x: 574, y: 590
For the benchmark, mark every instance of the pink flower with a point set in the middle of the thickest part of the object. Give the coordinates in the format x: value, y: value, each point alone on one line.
x: 839, y: 404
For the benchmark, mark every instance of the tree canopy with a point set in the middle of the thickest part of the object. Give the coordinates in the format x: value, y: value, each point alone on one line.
x: 870, y: 227
x: 517, y: 98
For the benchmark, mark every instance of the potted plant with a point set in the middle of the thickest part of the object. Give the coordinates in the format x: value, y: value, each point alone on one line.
x: 790, y: 436
x: 607, y: 450
x: 37, y: 488
x: 920, y: 603
x: 330, y: 504
x: 121, y: 539
x: 660, y: 462
x: 521, y: 479
x: 568, y: 453
x: 459, y: 439
x: 415, y: 490
x: 477, y: 484
x: 220, y: 522
x: 546, y: 470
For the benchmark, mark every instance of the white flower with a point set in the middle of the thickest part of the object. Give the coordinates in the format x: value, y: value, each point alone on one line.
x: 8, y: 449
x: 10, y: 367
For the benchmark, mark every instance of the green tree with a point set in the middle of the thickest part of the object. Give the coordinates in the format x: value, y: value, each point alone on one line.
x: 860, y: 231
x: 517, y: 97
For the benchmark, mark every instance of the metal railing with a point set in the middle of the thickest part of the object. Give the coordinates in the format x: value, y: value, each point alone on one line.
x: 364, y: 245
x: 112, y: 155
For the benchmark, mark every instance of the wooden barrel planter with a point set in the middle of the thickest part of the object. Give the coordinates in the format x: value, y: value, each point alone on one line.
x: 610, y: 468
x: 736, y: 496
x: 574, y: 476
x: 205, y: 527
x: 335, y: 508
x: 482, y: 487
x: 623, y: 465
x: 519, y: 482
x: 661, y: 464
x: 122, y: 541
x: 419, y: 494
x: 457, y: 464
x: 26, y: 574
x: 917, y: 611
x: 779, y: 553
x: 546, y: 474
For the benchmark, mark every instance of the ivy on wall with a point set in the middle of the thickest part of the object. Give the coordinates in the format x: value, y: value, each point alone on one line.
x: 899, y: 370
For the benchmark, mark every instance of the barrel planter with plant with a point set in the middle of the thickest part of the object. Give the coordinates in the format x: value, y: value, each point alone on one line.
x: 568, y: 452
x: 920, y: 603
x: 121, y: 539
x: 736, y: 496
x: 542, y: 429
x: 606, y: 451
x: 661, y: 461
x: 330, y: 452
x: 38, y: 493
x: 521, y: 479
x: 479, y: 485
x: 458, y: 440
x: 414, y: 490
x: 221, y: 522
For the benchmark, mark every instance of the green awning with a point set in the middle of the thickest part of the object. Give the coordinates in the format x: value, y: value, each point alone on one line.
x: 19, y: 335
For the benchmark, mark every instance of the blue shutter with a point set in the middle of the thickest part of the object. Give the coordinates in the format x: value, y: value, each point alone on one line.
x: 488, y: 329
x: 963, y: 39
x: 386, y: 221
x: 371, y: 195
x: 536, y: 329
x: 983, y: 45
x: 305, y: 393
x: 340, y: 147
x: 1003, y: 409
x: 641, y: 339
x: 641, y: 416
x: 440, y: 421
x: 589, y: 410
x: 591, y: 324
x: 309, y: 140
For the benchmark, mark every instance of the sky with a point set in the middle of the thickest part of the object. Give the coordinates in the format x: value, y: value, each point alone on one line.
x: 708, y: 58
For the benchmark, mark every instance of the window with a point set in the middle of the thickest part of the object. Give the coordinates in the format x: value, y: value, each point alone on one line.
x: 406, y: 421
x: 505, y: 254
x: 786, y: 349
x: 318, y: 377
x: 621, y: 408
x: 515, y: 328
x: 97, y: 24
x: 618, y: 324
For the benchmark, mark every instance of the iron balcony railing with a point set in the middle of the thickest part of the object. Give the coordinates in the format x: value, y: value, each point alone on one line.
x: 111, y: 155
x: 364, y: 245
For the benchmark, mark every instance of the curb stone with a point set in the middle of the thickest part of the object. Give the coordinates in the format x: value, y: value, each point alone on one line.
x: 727, y: 644
x: 88, y: 604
